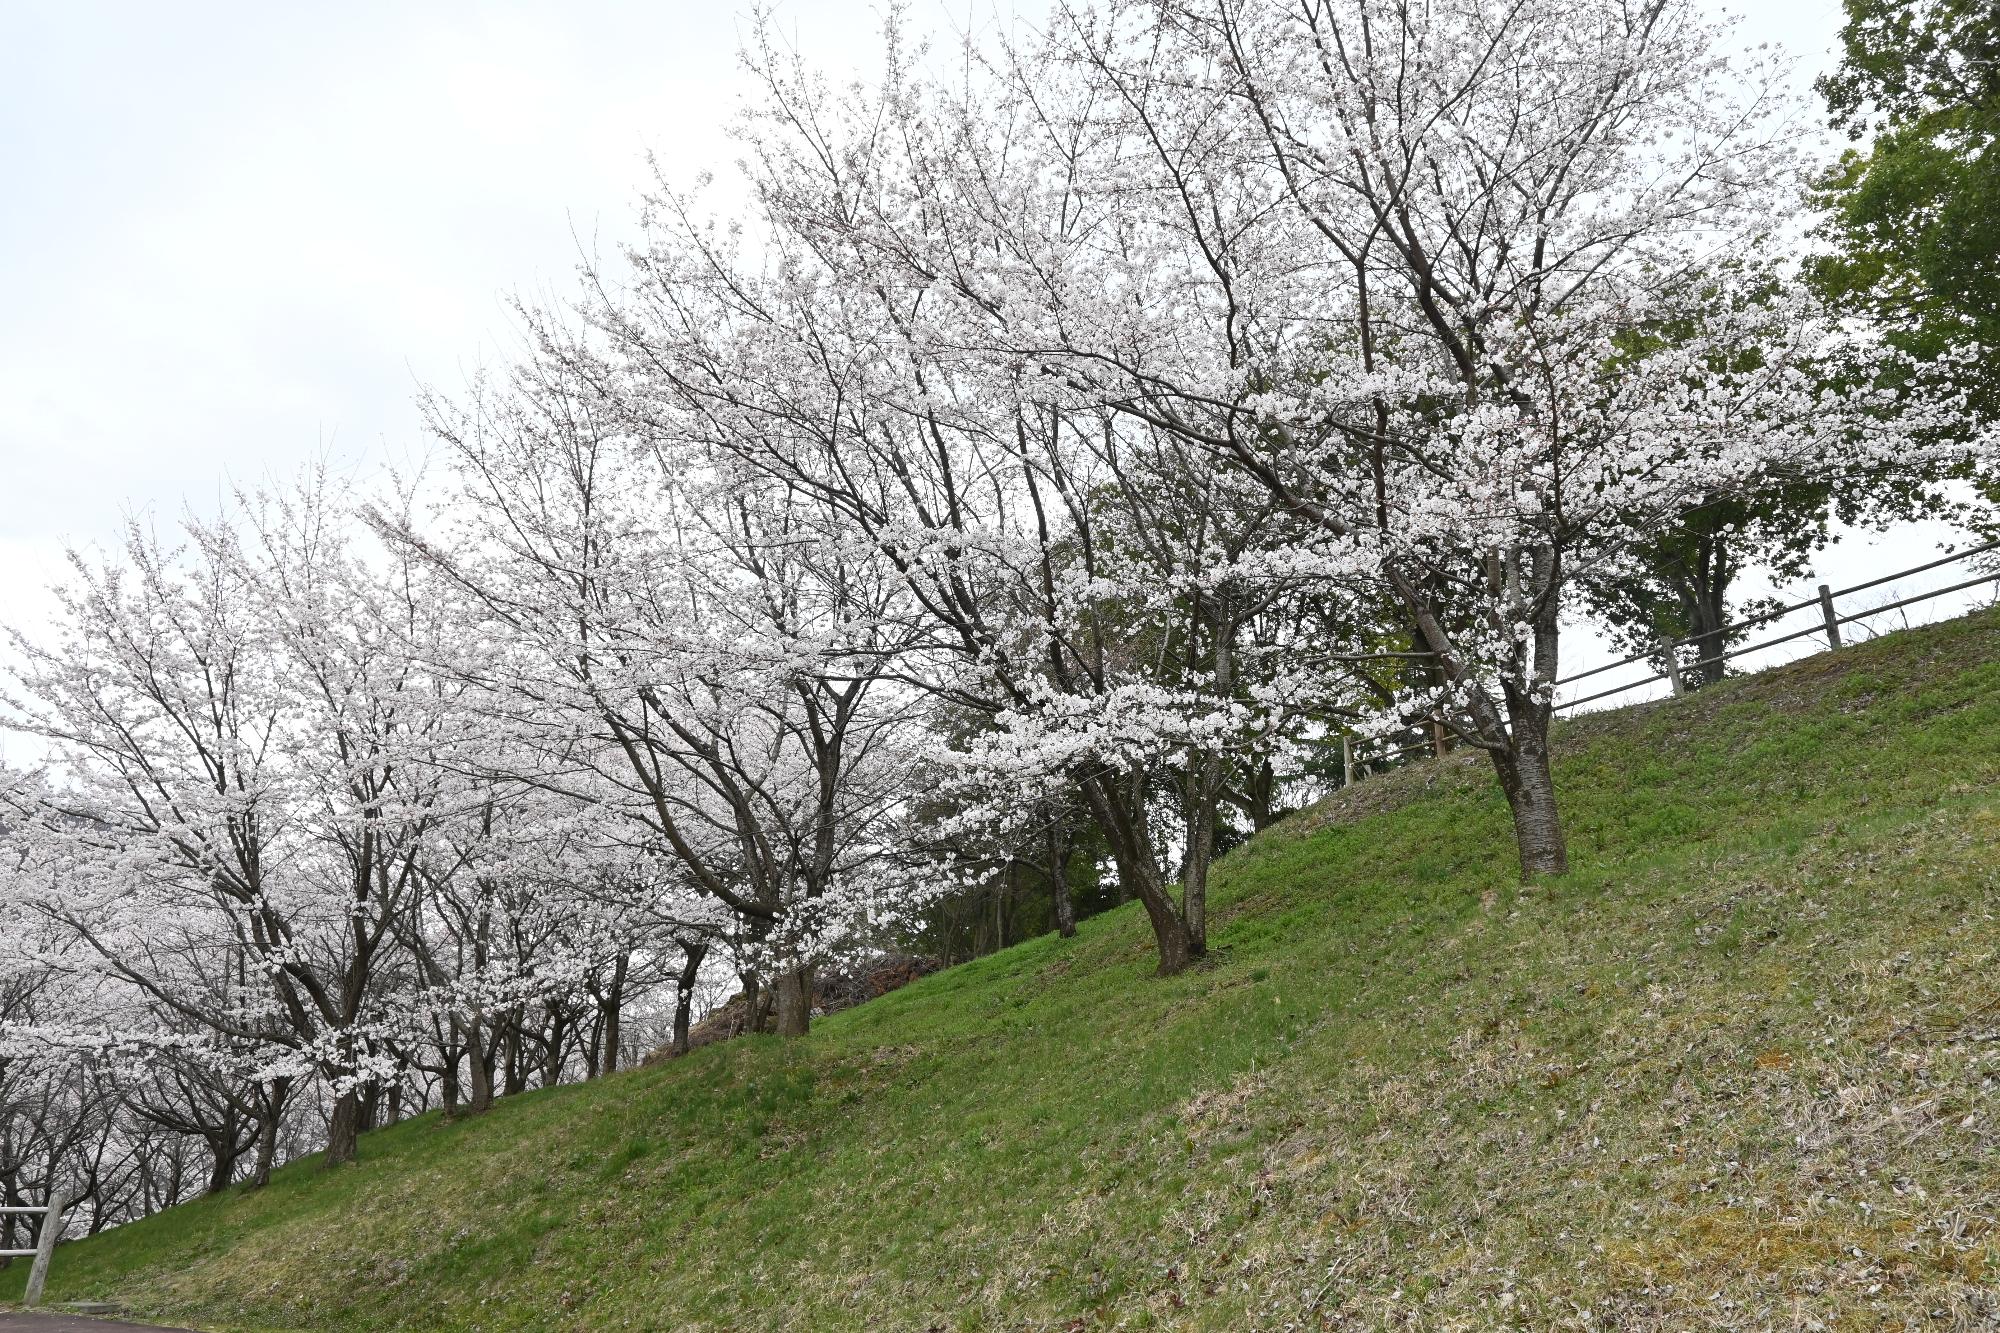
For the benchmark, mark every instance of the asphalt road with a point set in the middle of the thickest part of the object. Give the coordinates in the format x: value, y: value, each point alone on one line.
x: 70, y: 1323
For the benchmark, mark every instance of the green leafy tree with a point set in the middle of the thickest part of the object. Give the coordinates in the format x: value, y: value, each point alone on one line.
x: 1913, y: 232
x: 1680, y: 583
x: 1914, y: 208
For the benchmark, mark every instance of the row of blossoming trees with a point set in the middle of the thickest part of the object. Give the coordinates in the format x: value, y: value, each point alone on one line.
x: 1069, y: 444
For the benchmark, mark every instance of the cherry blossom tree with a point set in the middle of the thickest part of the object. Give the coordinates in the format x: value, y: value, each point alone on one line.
x: 233, y: 779
x: 691, y: 656
x: 1379, y: 258
x: 1069, y: 580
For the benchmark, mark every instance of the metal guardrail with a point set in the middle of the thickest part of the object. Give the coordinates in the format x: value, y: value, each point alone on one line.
x: 1357, y: 764
x: 46, y: 1236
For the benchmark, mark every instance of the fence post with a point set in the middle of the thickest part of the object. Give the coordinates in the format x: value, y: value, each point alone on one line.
x: 1673, y: 662
x: 45, y: 1245
x: 1832, y: 619
x: 1346, y: 760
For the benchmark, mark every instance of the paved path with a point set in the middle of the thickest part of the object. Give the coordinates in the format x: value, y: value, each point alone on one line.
x: 49, y: 1322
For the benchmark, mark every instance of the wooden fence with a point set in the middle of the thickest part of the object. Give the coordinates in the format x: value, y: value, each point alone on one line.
x: 1666, y: 653
x: 46, y: 1236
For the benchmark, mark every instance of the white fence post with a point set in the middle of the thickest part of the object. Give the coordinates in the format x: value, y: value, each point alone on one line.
x: 45, y: 1245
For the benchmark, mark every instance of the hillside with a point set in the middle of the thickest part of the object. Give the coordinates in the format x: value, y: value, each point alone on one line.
x: 1741, y: 1068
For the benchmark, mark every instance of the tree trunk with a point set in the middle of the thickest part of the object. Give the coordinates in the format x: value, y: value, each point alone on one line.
x: 1065, y: 902
x: 1176, y: 949
x: 479, y: 1069
x: 1194, y: 885
x: 224, y: 1152
x: 1204, y: 789
x: 795, y: 997
x: 1065, y: 908
x: 343, y: 1130
x: 1259, y: 790
x: 614, y: 1010
x: 271, y: 1114
x: 552, y: 1054
x: 1204, y: 795
x: 10, y: 1195
x: 1526, y: 777
x: 692, y: 955
x: 756, y: 1002
x: 683, y: 1013
x: 1519, y: 746
x: 1170, y: 934
x: 1703, y: 593
x: 516, y: 1072
x: 1709, y: 644
x: 1139, y: 874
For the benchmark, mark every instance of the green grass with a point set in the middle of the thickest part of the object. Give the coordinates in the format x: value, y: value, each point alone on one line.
x: 1737, y: 1069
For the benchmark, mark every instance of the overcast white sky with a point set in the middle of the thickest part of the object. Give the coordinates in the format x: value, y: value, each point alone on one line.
x: 234, y: 237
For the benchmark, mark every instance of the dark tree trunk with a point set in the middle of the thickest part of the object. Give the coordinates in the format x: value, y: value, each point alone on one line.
x: 343, y: 1130
x: 1139, y: 873
x: 479, y: 1069
x: 1260, y: 788
x: 1710, y: 642
x: 684, y: 993
x: 1204, y: 795
x: 510, y: 1047
x: 683, y: 1013
x: 552, y: 1055
x: 1529, y: 782
x: 224, y: 1154
x: 1204, y: 787
x: 1065, y: 906
x: 1194, y: 883
x: 755, y: 1003
x: 10, y: 1195
x: 1177, y: 951
x: 271, y: 1115
x: 1703, y: 592
x: 1519, y: 746
x: 1065, y: 902
x: 614, y: 1011
x: 795, y: 997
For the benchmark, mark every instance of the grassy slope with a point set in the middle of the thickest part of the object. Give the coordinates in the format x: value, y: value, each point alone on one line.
x: 1738, y: 1068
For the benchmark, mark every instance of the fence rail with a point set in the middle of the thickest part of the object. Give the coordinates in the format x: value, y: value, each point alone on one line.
x: 46, y: 1236
x: 1667, y: 651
